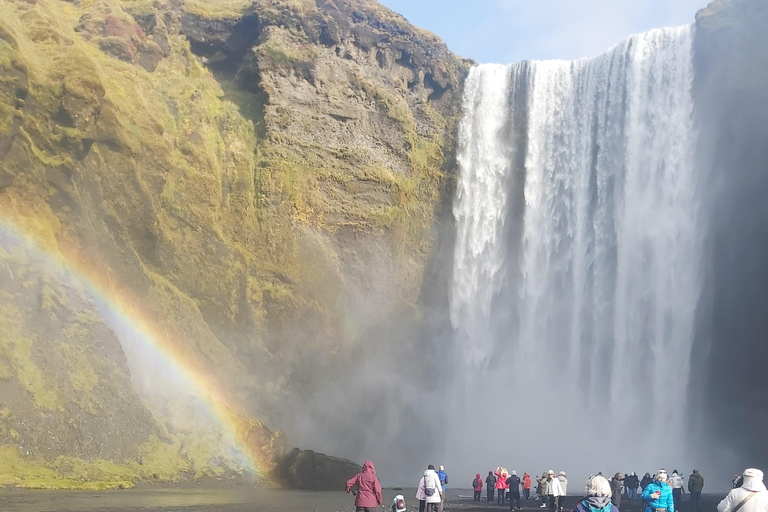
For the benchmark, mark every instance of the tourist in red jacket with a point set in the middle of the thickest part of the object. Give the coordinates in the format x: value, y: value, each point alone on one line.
x: 368, y: 489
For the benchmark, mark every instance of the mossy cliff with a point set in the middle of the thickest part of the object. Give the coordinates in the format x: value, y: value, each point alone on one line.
x: 259, y: 180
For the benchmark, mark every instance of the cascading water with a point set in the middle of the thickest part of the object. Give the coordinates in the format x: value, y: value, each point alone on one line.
x: 576, y: 271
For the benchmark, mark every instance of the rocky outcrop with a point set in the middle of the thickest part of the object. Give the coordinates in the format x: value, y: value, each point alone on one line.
x: 259, y: 181
x: 311, y: 471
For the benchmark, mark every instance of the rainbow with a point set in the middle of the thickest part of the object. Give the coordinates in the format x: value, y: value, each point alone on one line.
x: 161, y: 345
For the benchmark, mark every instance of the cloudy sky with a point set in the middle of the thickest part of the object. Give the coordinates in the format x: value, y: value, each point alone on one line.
x: 507, y: 31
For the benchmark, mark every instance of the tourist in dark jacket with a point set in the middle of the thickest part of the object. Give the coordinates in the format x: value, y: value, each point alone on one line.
x: 490, y: 486
x: 477, y: 487
x: 695, y: 486
x: 368, y: 489
x: 645, y: 481
x: 598, y: 498
x: 631, y: 482
x: 513, y: 483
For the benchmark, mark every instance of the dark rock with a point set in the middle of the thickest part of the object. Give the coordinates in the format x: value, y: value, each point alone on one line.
x: 312, y: 471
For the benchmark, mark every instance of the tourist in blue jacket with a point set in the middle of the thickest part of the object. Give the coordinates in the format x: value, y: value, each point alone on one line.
x: 443, y: 476
x: 658, y: 495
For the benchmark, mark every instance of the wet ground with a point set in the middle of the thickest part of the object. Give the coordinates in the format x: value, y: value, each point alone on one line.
x: 708, y: 504
x: 251, y: 500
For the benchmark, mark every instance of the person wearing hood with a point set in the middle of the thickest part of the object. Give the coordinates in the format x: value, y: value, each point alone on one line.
x: 431, y: 490
x: 563, y: 486
x: 631, y: 483
x: 443, y: 476
x: 541, y: 489
x: 490, y: 485
x: 526, y: 486
x: 598, y: 497
x: 645, y: 481
x: 554, y: 491
x: 477, y: 487
x: 501, y: 484
x: 750, y: 497
x: 676, y: 483
x: 657, y: 495
x: 513, y: 484
x: 617, y: 486
x: 368, y: 496
x: 695, y: 486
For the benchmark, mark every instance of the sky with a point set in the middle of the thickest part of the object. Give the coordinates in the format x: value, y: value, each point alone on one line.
x: 506, y: 31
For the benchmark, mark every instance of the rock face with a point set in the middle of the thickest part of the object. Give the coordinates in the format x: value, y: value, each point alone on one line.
x: 731, y: 110
x: 311, y: 471
x: 259, y: 181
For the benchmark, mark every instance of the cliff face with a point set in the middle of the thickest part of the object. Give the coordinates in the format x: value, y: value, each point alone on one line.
x: 256, y: 180
x: 731, y: 110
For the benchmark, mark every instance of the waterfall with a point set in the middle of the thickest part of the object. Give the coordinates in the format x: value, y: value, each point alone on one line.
x: 576, y: 267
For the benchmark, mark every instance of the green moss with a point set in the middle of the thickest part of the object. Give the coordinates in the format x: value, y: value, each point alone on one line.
x: 5, y: 370
x: 219, y: 9
x: 16, y: 348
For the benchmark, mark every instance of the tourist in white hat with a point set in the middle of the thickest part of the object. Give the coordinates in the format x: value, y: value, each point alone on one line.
x: 750, y: 497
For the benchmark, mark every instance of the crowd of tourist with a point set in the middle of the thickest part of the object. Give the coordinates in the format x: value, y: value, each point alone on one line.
x: 659, y: 492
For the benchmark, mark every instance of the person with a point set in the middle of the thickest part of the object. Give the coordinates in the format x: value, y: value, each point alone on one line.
x: 631, y: 482
x: 564, y: 487
x: 368, y: 496
x: 490, y: 485
x: 501, y: 484
x: 477, y: 487
x: 513, y: 484
x: 421, y: 495
x: 645, y: 481
x: 598, y: 496
x: 398, y: 504
x: 443, y: 477
x: 541, y: 489
x: 658, y: 495
x: 750, y: 497
x: 695, y: 486
x: 617, y: 485
x: 554, y: 491
x: 676, y: 483
x: 526, y: 486
x: 433, y: 491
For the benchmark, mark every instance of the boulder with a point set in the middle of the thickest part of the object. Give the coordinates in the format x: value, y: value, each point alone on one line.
x: 312, y: 471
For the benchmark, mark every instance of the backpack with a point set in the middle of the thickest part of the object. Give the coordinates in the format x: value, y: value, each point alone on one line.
x: 476, y: 483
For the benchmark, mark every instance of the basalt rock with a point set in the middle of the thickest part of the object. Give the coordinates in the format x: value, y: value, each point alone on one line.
x: 311, y: 471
